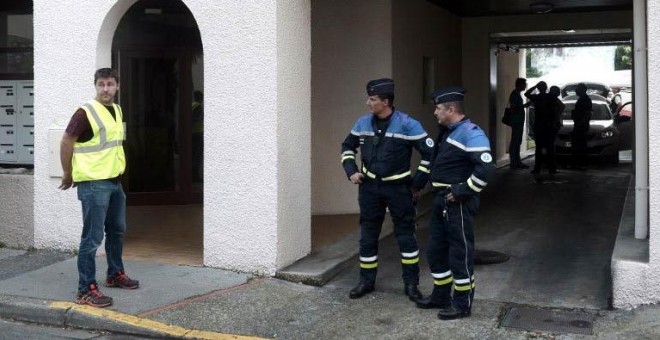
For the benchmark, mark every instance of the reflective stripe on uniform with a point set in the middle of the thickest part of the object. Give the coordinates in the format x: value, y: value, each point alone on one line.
x: 440, y: 279
x: 465, y: 148
x: 423, y: 169
x: 410, y: 258
x: 347, y: 157
x: 395, y: 177
x: 443, y: 281
x: 400, y: 136
x: 475, y: 179
x: 369, y: 262
x: 385, y: 179
x: 473, y: 186
x: 368, y: 173
x: 440, y: 185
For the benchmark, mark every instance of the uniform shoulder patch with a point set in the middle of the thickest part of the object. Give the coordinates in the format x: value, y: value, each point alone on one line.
x: 486, y: 157
x: 429, y: 142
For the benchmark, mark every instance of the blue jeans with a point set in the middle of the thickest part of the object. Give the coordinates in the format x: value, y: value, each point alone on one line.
x: 104, y: 209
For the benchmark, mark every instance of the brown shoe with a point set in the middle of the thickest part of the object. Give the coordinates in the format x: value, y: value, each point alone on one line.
x: 121, y: 280
x: 93, y: 297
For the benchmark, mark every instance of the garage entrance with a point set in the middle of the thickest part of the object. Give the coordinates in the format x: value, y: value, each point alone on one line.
x: 559, y: 233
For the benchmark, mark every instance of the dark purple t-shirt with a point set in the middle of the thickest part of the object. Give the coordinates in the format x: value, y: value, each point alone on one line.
x: 79, y: 125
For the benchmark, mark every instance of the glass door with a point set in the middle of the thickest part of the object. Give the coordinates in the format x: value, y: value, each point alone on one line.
x: 156, y: 97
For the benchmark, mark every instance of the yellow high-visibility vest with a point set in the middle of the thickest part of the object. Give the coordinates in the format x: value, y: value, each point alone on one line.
x: 101, y: 157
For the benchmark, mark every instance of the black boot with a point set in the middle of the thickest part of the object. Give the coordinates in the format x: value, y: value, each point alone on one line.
x: 428, y: 303
x: 412, y: 292
x: 452, y: 313
x: 361, y: 290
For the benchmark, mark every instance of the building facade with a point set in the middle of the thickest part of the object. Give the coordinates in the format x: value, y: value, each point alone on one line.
x: 282, y: 83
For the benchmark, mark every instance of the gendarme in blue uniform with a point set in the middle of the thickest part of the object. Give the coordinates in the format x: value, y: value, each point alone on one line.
x: 462, y: 166
x: 385, y: 151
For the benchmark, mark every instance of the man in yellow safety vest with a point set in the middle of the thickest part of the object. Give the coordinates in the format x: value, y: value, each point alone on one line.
x: 93, y: 160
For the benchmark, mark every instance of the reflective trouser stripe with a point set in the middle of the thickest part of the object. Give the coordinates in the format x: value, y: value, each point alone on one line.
x: 443, y: 281
x: 368, y: 265
x: 410, y: 261
x: 464, y: 288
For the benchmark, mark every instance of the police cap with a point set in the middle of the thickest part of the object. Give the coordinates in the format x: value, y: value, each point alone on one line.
x: 448, y: 94
x: 380, y: 86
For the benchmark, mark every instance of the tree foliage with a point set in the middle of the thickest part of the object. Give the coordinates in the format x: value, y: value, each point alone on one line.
x: 623, y: 57
x: 532, y: 72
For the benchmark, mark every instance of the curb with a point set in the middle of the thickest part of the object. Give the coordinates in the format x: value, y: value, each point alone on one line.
x: 69, y: 314
x: 320, y: 267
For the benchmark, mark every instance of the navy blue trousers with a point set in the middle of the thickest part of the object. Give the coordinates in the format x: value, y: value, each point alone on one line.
x: 451, y: 250
x: 374, y: 197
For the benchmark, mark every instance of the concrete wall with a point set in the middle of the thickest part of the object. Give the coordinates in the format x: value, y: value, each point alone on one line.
x: 246, y: 201
x: 476, y: 34
x: 351, y: 44
x: 354, y: 42
x: 16, y: 210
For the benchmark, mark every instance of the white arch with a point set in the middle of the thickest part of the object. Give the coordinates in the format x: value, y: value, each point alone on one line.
x: 109, y: 27
x: 107, y: 32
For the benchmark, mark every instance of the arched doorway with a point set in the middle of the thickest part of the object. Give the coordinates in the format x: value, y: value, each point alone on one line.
x: 158, y: 51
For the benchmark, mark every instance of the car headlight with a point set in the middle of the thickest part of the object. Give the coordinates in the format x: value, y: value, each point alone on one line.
x: 606, y: 134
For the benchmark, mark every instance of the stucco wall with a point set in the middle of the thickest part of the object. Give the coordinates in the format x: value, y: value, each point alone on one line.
x: 294, y: 130
x: 70, y: 63
x: 476, y: 34
x: 351, y: 44
x: 242, y: 184
x: 17, y: 222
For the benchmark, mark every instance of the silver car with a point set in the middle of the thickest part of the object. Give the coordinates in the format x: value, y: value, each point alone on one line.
x: 603, y: 136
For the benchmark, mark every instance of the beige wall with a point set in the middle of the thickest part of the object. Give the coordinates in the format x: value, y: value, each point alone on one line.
x: 476, y: 46
x: 356, y: 41
x: 423, y: 30
x: 351, y: 43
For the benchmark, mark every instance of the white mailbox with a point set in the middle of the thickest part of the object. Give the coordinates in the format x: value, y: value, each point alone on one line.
x: 17, y: 122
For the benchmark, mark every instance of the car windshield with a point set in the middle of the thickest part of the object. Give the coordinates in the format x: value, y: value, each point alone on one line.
x: 599, y: 111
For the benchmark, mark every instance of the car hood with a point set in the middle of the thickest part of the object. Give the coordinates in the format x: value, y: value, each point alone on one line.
x: 594, y: 126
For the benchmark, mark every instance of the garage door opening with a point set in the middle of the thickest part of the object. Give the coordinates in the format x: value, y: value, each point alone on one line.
x: 559, y: 229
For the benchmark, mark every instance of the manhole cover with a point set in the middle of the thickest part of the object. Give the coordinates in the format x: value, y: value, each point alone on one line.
x: 489, y: 257
x: 550, y: 321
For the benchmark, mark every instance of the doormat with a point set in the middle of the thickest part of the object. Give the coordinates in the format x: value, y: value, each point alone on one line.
x: 549, y: 321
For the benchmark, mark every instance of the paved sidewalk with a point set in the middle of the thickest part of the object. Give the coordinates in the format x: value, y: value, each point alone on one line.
x: 206, y: 303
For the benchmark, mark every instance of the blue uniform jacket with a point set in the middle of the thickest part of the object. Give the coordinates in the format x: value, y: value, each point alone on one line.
x: 387, y: 158
x: 462, y: 160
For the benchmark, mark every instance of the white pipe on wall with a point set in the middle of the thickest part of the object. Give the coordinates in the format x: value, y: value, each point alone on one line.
x: 641, y: 120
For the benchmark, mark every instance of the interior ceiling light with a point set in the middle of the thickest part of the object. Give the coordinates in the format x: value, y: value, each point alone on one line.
x: 153, y: 11
x: 541, y: 7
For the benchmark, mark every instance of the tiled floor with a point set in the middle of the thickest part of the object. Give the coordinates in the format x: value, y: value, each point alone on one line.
x: 173, y: 234
x: 165, y: 233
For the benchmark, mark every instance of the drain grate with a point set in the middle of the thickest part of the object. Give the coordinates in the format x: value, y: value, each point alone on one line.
x: 551, y: 321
